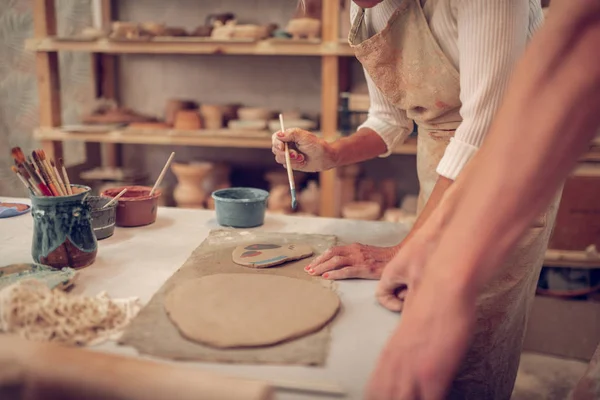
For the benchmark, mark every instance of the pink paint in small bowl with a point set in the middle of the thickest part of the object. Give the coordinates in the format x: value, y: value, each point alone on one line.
x: 136, y: 207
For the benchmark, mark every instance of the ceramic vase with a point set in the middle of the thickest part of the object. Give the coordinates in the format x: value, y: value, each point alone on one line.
x: 190, y: 192
x: 62, y: 230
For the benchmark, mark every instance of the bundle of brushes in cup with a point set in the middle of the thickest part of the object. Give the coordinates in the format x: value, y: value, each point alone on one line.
x: 41, y: 175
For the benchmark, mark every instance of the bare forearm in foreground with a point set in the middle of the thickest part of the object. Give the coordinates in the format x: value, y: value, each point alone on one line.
x: 549, y: 114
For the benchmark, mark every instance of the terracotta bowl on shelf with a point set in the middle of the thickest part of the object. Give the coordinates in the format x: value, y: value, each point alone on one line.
x: 187, y: 120
x: 176, y: 105
x: 254, y: 114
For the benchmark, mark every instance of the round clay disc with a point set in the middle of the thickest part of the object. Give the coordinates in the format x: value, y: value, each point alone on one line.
x: 249, y: 310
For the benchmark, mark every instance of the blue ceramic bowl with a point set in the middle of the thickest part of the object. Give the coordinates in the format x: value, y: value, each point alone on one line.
x: 240, y: 207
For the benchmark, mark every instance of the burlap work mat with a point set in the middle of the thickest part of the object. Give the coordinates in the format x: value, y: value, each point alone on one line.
x: 153, y: 333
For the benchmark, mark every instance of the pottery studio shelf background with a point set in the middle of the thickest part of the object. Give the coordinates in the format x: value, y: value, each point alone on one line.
x: 307, y: 76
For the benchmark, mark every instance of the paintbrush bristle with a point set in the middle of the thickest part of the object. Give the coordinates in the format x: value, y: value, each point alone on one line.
x: 14, y: 169
x: 17, y: 155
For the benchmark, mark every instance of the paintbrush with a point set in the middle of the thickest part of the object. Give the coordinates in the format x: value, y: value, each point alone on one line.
x: 61, y: 165
x: 288, y: 164
x: 46, y: 164
x: 21, y: 178
x: 44, y: 174
x: 20, y: 160
x: 30, y: 180
x: 116, y: 198
x: 162, y: 173
x: 58, y: 178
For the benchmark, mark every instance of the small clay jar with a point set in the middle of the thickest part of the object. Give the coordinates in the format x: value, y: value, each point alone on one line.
x: 176, y: 105
x: 212, y: 115
x: 362, y: 210
x: 187, y: 120
x: 136, y: 207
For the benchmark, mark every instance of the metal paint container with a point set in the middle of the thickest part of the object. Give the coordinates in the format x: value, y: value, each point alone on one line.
x: 240, y: 207
x: 103, y: 219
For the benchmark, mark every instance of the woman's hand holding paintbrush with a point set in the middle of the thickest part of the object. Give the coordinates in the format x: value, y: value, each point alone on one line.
x: 288, y: 165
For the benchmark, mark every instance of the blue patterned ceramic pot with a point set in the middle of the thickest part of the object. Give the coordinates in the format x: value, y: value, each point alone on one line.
x: 62, y: 230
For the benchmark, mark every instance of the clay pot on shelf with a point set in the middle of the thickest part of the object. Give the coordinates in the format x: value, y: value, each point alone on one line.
x: 189, y: 192
x: 187, y: 120
x: 300, y: 28
x: 176, y: 105
x: 153, y: 28
x: 309, y: 199
x: 212, y: 116
x: 280, y: 200
x: 254, y: 114
x: 362, y: 210
x: 255, y: 32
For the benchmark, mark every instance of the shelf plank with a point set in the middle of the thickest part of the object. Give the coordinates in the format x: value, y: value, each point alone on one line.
x: 204, y: 137
x: 208, y: 138
x: 192, y: 46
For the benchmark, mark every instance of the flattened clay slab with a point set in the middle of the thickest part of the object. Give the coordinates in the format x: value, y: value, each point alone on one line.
x: 249, y: 310
x: 263, y: 255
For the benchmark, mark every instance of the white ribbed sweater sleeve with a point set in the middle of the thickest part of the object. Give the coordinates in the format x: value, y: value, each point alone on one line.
x: 387, y: 121
x: 491, y: 37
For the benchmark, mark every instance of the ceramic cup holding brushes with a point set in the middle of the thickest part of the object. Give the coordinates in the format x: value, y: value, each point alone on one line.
x: 62, y: 227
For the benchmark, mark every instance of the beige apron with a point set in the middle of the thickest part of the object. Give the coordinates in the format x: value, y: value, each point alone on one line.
x: 412, y: 72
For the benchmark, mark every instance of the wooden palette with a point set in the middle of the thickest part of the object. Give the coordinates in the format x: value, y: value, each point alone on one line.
x: 264, y: 255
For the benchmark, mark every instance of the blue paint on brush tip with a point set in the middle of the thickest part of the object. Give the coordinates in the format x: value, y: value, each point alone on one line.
x: 294, y: 202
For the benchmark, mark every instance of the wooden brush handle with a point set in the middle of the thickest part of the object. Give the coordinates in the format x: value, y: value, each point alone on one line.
x: 49, y: 371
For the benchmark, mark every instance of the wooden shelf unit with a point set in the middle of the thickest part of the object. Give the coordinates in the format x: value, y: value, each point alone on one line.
x: 46, y: 46
x: 269, y: 47
x: 203, y: 137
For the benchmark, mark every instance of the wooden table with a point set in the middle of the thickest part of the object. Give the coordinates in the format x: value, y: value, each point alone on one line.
x: 137, y: 261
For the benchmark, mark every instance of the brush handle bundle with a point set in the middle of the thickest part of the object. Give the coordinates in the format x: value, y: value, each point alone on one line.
x: 42, y: 176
